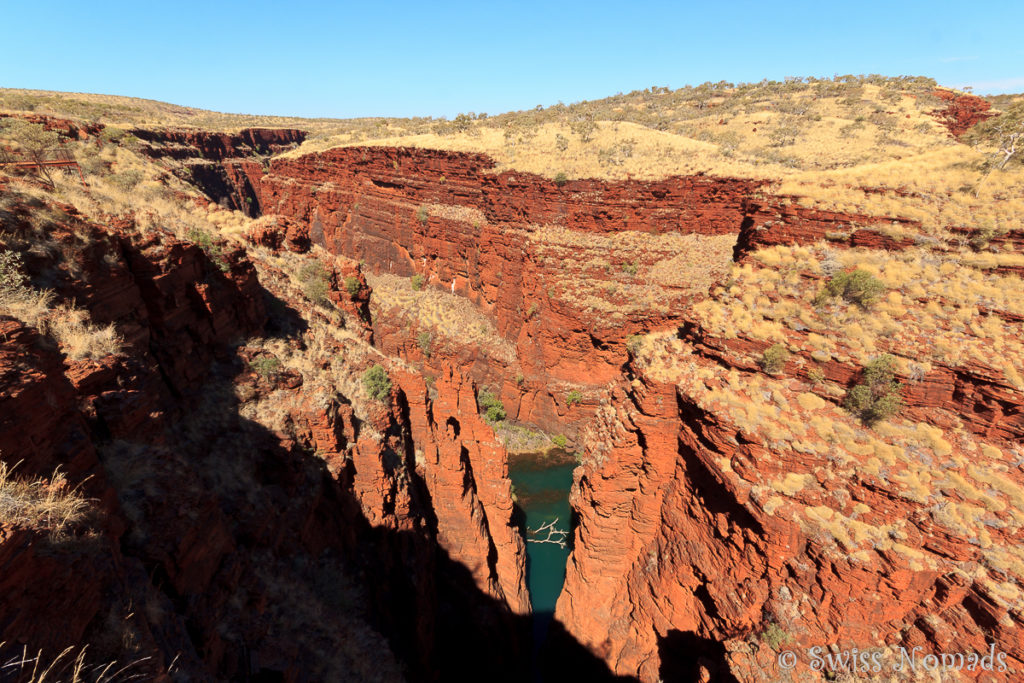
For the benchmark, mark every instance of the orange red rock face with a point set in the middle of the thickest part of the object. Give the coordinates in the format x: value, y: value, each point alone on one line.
x: 695, y: 554
x: 369, y: 204
x: 962, y: 112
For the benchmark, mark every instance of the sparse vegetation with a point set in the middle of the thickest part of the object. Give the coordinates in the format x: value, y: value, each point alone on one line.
x: 12, y: 273
x: 417, y: 281
x: 422, y: 215
x: 71, y: 327
x: 33, y: 140
x: 206, y: 242
x: 377, y: 383
x: 424, y: 340
x: 352, y: 285
x: 859, y: 287
x: 775, y: 636
x: 52, y: 505
x: 315, y: 282
x: 266, y: 366
x: 66, y: 667
x: 877, y: 397
x: 633, y: 343
x: 126, y: 180
x: 773, y: 360
x: 559, y: 440
x: 573, y: 398
x: 491, y: 405
x: 561, y: 178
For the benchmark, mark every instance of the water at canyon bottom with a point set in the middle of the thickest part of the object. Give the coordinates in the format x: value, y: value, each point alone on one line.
x: 542, y: 482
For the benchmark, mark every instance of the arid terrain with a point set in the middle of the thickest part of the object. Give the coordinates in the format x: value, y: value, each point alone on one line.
x: 261, y: 379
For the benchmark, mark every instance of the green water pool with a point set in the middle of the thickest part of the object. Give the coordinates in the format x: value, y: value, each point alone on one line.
x: 542, y: 483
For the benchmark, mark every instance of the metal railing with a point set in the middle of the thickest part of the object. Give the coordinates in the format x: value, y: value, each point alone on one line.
x: 57, y: 157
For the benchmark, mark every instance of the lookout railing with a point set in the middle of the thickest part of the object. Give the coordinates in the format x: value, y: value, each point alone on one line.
x: 58, y: 157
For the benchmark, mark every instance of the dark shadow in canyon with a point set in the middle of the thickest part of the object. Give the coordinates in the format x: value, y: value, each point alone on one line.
x: 684, y: 654
x: 249, y: 555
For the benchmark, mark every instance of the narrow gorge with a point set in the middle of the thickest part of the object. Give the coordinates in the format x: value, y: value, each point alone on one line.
x: 343, y: 442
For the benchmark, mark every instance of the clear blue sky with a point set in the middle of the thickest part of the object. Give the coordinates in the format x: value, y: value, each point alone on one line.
x: 433, y: 58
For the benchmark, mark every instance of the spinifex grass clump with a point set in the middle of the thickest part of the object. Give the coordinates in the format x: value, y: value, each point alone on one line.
x: 53, y: 505
x: 352, y: 285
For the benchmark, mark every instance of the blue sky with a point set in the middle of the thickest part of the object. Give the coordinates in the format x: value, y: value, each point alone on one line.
x: 433, y: 58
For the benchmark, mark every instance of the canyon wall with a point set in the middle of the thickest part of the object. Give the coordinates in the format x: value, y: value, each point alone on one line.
x: 334, y: 546
x: 468, y: 230
x: 391, y: 523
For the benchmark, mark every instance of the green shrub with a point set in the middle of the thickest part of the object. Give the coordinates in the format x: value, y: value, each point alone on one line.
x: 773, y: 361
x: 561, y: 179
x: 494, y: 410
x: 859, y: 287
x: 315, y: 282
x: 352, y: 285
x: 418, y: 281
x: 35, y: 141
x: 377, y: 383
x: 126, y: 180
x: 775, y: 636
x: 266, y: 366
x: 112, y: 134
x: 573, y: 398
x: 981, y: 239
x: 204, y: 241
x: 877, y: 396
x: 559, y: 440
x: 816, y: 375
x: 424, y: 340
x: 422, y: 215
x: 633, y: 343
x: 630, y: 269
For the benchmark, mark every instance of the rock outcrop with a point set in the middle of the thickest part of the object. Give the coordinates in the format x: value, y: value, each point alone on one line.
x: 962, y: 111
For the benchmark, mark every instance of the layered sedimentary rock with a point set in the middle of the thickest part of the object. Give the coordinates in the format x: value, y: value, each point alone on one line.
x: 186, y: 144
x: 218, y: 523
x: 448, y: 217
x: 223, y: 165
x: 690, y: 574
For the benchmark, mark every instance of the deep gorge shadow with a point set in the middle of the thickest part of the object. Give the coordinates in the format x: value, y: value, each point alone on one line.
x: 241, y: 557
x: 684, y: 654
x: 284, y: 512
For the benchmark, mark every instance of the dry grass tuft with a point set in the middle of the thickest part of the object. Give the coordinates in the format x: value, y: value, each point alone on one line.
x: 71, y: 327
x: 66, y: 667
x: 51, y: 505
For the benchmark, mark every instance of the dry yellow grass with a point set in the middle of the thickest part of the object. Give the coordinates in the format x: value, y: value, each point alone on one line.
x: 627, y: 272
x: 52, y: 505
x: 433, y: 310
x: 923, y: 464
x: 71, y: 327
x: 824, y: 141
